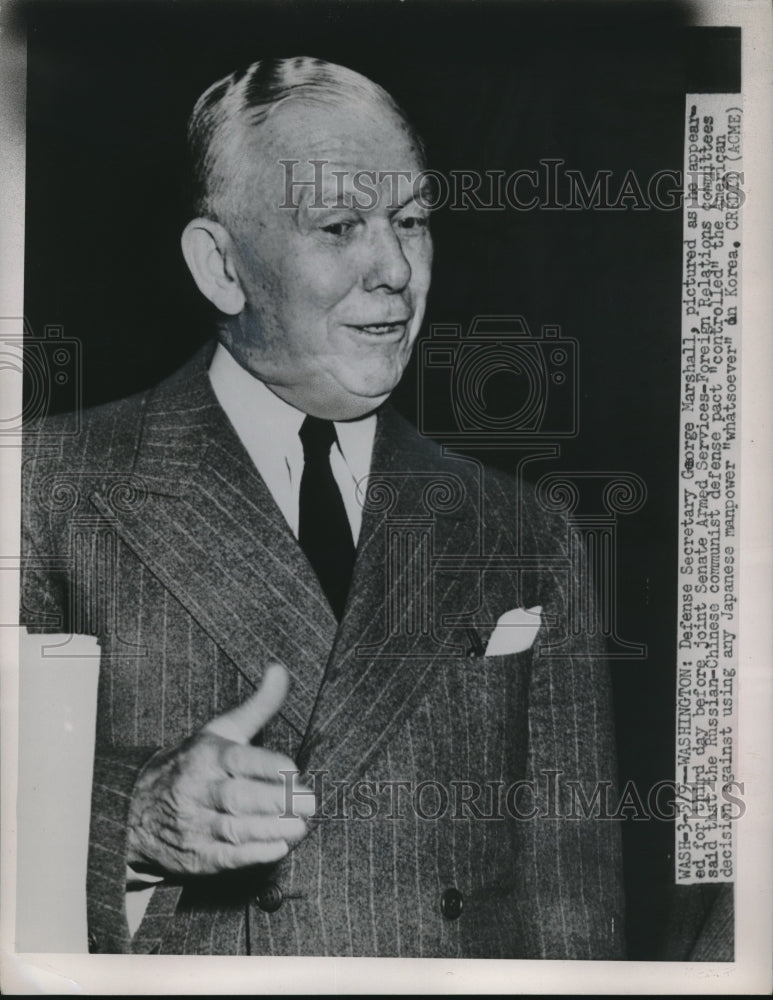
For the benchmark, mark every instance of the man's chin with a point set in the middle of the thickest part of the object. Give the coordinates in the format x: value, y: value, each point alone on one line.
x: 341, y: 398
x: 350, y: 395
x: 354, y: 407
x: 332, y: 404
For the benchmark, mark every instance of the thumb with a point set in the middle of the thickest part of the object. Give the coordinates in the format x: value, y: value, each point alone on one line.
x: 240, y: 724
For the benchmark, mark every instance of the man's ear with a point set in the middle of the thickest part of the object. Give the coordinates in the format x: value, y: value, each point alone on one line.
x: 208, y: 251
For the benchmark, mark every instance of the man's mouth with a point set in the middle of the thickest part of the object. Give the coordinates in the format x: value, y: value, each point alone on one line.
x: 380, y: 329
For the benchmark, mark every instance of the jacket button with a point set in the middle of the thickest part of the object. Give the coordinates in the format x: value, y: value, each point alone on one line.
x: 93, y: 943
x: 269, y: 897
x: 451, y: 903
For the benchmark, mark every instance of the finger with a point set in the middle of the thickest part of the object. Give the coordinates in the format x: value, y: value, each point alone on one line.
x: 245, y: 797
x: 245, y: 829
x: 245, y: 761
x: 243, y: 722
x: 228, y: 857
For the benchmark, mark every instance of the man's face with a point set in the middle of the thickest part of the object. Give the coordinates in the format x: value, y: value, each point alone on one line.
x: 335, y: 272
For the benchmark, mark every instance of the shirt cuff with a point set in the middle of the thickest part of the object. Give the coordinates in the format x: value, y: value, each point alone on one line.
x: 139, y: 889
x: 139, y: 880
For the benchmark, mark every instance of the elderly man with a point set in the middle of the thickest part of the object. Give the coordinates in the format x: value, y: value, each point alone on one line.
x: 315, y: 733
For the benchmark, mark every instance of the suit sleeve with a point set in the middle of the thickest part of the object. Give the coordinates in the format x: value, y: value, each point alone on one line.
x: 570, y: 882
x: 115, y: 772
x: 45, y: 607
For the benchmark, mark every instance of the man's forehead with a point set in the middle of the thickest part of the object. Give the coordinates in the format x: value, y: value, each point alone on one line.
x: 353, y: 126
x: 339, y: 148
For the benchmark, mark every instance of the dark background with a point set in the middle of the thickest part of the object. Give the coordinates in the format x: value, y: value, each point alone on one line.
x: 489, y: 85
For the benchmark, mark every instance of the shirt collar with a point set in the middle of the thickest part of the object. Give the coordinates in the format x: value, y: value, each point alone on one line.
x: 264, y: 422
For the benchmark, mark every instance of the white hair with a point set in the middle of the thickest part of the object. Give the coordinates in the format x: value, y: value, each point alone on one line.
x: 246, y: 98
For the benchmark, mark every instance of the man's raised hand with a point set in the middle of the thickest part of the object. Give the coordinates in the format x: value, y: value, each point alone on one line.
x: 214, y: 802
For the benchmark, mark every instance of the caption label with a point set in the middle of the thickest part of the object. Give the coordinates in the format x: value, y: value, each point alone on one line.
x: 708, y: 484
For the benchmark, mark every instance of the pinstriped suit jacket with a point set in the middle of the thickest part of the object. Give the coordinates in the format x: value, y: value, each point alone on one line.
x: 150, y: 527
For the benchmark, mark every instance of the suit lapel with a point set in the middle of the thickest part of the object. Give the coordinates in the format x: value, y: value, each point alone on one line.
x: 211, y: 532
x: 391, y: 642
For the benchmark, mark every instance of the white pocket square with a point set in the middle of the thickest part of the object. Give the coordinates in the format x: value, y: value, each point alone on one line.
x: 515, y: 631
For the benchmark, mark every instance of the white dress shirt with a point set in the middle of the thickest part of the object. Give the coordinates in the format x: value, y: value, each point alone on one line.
x: 268, y: 428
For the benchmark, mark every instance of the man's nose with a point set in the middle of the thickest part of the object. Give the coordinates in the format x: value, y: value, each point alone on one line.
x: 387, y: 266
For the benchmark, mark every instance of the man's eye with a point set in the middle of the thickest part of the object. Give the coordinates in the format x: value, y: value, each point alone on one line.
x: 338, y: 228
x: 413, y: 222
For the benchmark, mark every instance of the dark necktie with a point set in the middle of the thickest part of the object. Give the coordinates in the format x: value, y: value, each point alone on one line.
x: 323, y: 527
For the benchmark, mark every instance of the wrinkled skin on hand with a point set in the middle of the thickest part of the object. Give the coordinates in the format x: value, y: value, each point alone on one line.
x: 215, y: 803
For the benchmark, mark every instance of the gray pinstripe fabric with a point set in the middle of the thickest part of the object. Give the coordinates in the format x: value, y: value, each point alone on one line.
x: 191, y: 578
